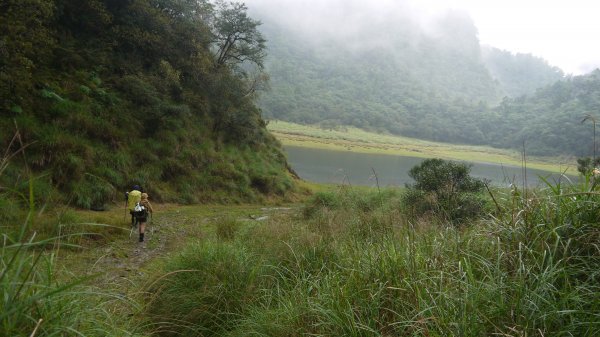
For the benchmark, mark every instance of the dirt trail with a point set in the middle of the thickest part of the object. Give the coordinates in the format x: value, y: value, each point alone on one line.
x: 122, y: 264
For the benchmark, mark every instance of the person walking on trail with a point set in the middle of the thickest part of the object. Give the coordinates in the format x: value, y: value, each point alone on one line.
x: 133, y: 198
x: 143, y: 215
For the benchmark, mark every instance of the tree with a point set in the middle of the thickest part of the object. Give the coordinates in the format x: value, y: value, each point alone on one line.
x: 446, y: 189
x: 236, y: 36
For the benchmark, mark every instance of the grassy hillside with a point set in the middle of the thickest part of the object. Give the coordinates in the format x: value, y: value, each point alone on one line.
x: 105, y: 94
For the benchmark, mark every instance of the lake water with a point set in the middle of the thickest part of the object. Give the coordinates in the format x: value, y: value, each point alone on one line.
x: 327, y: 166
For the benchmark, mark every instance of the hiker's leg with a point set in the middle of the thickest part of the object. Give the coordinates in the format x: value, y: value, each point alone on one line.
x: 142, y: 229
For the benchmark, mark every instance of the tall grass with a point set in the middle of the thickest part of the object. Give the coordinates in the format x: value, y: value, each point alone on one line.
x: 37, y: 296
x: 353, y: 265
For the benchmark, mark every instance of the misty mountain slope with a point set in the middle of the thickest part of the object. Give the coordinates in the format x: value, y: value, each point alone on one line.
x: 375, y: 88
x: 519, y: 74
x: 387, y: 72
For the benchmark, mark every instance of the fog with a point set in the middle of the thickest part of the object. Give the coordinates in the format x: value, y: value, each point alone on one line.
x: 342, y: 18
x: 353, y: 25
x: 561, y: 32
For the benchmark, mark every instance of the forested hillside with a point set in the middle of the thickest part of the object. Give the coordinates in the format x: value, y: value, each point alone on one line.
x: 390, y: 72
x: 519, y: 74
x: 551, y: 121
x: 106, y: 93
x: 396, y: 83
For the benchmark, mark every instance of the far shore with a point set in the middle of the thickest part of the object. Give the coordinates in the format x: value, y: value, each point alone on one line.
x: 356, y: 140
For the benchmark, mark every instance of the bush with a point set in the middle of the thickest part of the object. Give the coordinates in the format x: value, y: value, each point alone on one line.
x: 445, y: 189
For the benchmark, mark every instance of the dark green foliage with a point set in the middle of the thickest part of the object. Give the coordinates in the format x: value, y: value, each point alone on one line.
x: 237, y: 35
x: 109, y: 93
x: 549, y: 121
x: 25, y: 45
x: 445, y: 189
x: 585, y: 165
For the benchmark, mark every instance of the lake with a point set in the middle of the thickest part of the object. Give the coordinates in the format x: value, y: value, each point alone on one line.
x: 328, y: 166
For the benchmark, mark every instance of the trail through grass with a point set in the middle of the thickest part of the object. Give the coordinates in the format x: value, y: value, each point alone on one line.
x: 348, y: 263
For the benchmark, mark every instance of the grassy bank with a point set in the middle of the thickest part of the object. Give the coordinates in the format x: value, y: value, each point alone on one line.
x: 353, y: 264
x: 357, y: 140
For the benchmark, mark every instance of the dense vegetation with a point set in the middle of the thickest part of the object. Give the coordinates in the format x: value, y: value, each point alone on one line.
x: 356, y: 265
x: 386, y: 72
x: 99, y: 94
x: 351, y: 263
x: 105, y: 93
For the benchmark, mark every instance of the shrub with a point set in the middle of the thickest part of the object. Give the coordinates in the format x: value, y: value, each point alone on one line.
x: 445, y: 189
x: 321, y: 200
x: 585, y: 165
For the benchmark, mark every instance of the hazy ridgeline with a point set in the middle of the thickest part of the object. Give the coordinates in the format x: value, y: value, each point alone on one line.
x: 355, y: 265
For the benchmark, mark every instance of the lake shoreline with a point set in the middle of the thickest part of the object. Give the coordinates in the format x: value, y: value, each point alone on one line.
x: 376, y: 169
x: 359, y: 141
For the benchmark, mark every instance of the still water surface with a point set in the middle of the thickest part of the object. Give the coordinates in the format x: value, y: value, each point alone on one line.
x: 327, y: 166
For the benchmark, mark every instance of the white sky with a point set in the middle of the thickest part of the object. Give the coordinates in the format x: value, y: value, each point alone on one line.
x: 564, y: 32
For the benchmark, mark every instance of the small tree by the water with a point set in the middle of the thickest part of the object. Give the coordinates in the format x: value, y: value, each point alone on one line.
x: 445, y: 189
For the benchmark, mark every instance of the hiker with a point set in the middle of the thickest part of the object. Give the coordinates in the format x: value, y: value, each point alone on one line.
x: 143, y: 215
x: 133, y: 198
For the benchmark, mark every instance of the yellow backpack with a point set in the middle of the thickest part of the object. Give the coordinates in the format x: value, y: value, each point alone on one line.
x: 133, y: 198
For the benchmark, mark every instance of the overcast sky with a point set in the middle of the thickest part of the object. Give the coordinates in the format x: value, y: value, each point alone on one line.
x: 564, y: 32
